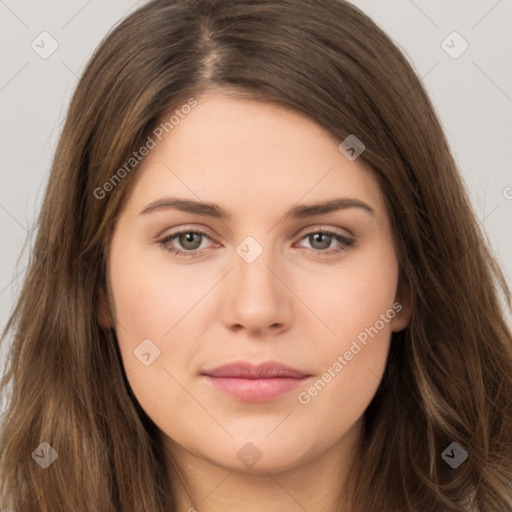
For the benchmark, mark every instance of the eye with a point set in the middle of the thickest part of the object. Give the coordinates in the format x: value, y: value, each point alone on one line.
x: 321, y: 240
x: 191, y: 241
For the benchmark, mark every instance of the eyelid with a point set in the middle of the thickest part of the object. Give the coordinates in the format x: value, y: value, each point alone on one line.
x: 186, y: 229
x: 325, y: 227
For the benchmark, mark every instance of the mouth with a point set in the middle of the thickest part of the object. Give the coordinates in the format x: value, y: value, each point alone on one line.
x: 248, y: 383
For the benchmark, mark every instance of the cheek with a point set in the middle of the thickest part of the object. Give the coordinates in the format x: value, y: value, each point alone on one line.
x: 153, y: 304
x: 357, y: 305
x: 151, y: 296
x: 352, y: 296
x: 350, y: 369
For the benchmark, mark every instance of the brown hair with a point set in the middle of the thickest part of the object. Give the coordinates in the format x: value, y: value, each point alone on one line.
x: 449, y: 373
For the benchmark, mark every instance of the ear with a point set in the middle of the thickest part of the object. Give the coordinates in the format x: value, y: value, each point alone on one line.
x: 103, y: 311
x: 402, y: 306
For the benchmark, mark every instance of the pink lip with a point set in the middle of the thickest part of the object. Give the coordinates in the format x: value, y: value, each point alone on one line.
x: 250, y: 383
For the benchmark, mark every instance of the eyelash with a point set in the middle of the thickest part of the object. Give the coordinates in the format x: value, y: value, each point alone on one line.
x: 346, y: 243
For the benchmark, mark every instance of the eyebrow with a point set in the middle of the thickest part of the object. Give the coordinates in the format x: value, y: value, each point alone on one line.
x: 217, y: 212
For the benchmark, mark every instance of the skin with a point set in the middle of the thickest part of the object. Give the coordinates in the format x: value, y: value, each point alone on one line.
x: 290, y: 305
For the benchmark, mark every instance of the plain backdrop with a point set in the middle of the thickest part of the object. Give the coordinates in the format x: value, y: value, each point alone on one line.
x: 472, y: 93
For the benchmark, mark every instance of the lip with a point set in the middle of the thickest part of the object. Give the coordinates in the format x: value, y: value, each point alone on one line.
x: 249, y: 383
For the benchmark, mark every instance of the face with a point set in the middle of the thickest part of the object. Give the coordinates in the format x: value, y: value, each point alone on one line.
x: 313, y: 291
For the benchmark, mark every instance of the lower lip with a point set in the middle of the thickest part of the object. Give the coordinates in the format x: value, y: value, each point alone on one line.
x: 255, y: 390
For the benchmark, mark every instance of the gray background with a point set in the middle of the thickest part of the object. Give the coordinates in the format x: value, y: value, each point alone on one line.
x: 472, y: 95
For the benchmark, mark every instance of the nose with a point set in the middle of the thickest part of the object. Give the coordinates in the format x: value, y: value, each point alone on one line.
x: 256, y: 296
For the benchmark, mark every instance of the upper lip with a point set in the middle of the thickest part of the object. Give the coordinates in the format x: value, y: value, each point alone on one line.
x: 246, y: 370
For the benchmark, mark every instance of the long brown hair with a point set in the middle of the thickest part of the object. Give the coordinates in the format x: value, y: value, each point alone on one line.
x: 449, y: 373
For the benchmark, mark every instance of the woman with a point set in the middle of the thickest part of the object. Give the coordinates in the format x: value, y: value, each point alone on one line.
x: 334, y: 342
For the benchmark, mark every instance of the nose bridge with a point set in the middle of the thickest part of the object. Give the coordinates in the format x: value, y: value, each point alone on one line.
x: 254, y: 257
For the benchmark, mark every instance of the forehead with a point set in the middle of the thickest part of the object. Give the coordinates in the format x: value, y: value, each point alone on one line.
x: 248, y: 153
